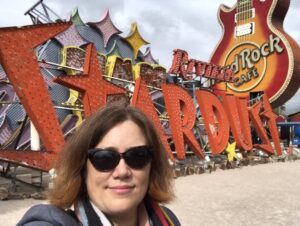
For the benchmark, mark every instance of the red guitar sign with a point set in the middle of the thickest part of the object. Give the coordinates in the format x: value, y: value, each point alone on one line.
x: 254, y: 45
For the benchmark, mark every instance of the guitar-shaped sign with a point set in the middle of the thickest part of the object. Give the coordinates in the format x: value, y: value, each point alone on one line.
x: 262, y: 56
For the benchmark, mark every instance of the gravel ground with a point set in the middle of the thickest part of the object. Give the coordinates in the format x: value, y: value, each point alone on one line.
x: 265, y: 194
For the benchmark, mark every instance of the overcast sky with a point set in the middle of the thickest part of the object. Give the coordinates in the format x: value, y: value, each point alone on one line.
x: 191, y: 25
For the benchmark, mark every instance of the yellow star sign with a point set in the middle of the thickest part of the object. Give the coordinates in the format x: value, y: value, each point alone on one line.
x: 135, y: 40
x: 230, y: 150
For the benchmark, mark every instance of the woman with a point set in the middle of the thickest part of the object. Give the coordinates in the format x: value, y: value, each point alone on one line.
x: 112, y: 171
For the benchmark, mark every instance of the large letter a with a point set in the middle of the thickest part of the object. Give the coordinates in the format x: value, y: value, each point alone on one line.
x: 182, y: 116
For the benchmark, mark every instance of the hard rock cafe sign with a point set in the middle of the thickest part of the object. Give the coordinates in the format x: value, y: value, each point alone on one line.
x: 262, y: 56
x: 251, y: 63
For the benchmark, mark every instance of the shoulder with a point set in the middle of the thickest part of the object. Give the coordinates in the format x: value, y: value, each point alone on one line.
x: 47, y: 215
x: 171, y: 215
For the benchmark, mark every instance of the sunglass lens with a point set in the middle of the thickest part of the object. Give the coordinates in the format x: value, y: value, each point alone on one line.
x: 105, y: 160
x: 137, y: 157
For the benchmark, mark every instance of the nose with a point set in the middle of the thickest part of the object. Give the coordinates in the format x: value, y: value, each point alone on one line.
x: 122, y: 170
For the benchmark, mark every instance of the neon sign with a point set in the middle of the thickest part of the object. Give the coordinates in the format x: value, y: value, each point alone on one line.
x: 17, y: 45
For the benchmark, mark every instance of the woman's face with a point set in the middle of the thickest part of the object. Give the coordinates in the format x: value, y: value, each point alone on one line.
x: 122, y: 189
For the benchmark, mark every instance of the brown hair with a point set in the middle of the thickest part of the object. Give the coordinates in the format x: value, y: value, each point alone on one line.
x: 71, y: 161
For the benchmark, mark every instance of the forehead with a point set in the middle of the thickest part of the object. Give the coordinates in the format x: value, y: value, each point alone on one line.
x: 123, y: 136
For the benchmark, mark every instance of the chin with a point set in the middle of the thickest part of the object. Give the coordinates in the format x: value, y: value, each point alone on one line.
x: 122, y: 206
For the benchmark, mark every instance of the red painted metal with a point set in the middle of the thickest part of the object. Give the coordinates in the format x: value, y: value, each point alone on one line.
x: 187, y: 68
x: 215, y: 120
x: 238, y: 117
x: 41, y: 160
x: 178, y: 101
x: 91, y: 83
x: 271, y: 117
x: 295, y: 117
x: 18, y: 59
x: 254, y: 113
x: 180, y: 59
x: 141, y: 99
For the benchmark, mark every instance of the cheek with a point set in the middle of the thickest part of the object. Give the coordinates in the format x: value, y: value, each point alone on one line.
x: 94, y: 179
x: 144, y: 177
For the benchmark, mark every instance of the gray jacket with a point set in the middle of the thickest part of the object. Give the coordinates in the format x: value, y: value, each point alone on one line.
x: 48, y: 215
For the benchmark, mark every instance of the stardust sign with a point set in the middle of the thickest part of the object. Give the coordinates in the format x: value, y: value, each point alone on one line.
x: 17, y: 56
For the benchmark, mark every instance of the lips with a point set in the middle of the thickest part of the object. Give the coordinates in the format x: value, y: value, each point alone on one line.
x: 121, y: 189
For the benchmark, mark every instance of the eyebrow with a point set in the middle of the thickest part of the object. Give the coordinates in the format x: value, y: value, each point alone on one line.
x: 116, y: 149
x: 109, y: 147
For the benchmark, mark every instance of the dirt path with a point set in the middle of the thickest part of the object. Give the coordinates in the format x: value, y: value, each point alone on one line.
x: 266, y: 195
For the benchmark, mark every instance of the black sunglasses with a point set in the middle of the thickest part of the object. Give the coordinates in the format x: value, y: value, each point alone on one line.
x: 107, y: 159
